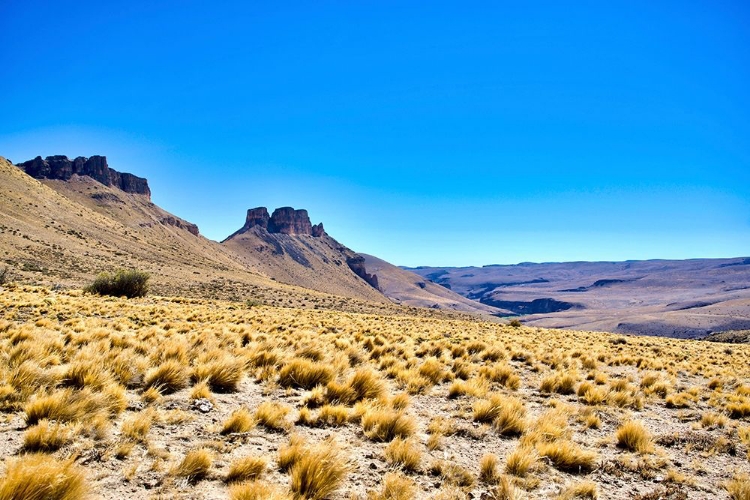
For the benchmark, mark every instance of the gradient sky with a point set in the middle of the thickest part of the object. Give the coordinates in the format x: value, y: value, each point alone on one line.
x: 426, y: 133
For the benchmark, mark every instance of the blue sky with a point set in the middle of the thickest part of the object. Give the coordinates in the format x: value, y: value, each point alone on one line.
x: 437, y: 133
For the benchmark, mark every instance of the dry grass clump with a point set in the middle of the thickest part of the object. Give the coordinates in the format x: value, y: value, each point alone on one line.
x: 739, y: 409
x: 47, y: 437
x: 195, y: 465
x: 68, y: 405
x: 221, y: 375
x: 489, y: 467
x: 318, y: 472
x: 568, y: 456
x: 633, y: 436
x: 521, y: 460
x: 291, y: 452
x: 257, y: 490
x: 168, y: 377
x: 711, y: 420
x: 452, y: 473
x: 246, y: 469
x: 395, y: 487
x: 586, y: 490
x: 381, y: 424
x: 272, y: 416
x: 42, y: 477
x: 241, y: 420
x: 404, y: 453
x: 332, y: 415
x: 136, y: 427
x: 559, y: 382
x: 739, y: 487
x: 506, y: 414
x: 502, y: 374
x: 301, y: 372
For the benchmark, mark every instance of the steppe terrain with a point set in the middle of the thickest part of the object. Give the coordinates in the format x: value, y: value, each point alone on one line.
x: 170, y: 397
x: 673, y: 298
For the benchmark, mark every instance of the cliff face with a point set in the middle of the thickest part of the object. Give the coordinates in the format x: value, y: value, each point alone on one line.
x: 60, y: 167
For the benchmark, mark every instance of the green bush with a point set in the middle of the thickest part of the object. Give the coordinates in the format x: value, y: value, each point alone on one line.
x: 130, y: 283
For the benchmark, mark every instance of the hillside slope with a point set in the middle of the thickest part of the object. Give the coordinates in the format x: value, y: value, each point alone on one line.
x: 406, y: 287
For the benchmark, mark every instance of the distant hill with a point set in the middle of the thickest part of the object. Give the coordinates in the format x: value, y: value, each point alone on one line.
x: 676, y: 298
x: 62, y: 221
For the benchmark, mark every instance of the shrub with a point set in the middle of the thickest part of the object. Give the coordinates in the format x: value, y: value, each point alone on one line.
x: 128, y: 283
x: 3, y: 275
x: 42, y: 477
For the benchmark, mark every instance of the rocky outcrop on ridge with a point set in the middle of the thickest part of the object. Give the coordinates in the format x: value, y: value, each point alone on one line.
x: 284, y: 220
x: 61, y: 167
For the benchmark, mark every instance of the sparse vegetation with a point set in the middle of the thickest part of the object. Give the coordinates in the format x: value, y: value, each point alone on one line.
x: 144, y: 387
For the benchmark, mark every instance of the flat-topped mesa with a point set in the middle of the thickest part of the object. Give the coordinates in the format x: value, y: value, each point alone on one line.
x: 284, y: 220
x: 60, y: 167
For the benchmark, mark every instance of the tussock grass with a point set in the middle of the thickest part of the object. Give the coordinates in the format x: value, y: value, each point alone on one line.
x: 136, y: 427
x: 272, y: 415
x: 395, y: 487
x: 489, y: 469
x: 241, y: 420
x: 633, y: 436
x: 385, y: 425
x: 404, y: 453
x: 68, y: 405
x: 318, y: 473
x: 301, y: 372
x: 195, y: 466
x: 257, y: 490
x: 739, y: 487
x: 586, y: 490
x: 521, y: 460
x: 568, y: 456
x: 47, y: 437
x: 169, y: 377
x: 246, y: 469
x: 221, y: 375
x: 42, y: 477
x: 290, y: 453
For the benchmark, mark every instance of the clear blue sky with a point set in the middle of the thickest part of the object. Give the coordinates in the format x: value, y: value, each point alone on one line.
x: 426, y: 133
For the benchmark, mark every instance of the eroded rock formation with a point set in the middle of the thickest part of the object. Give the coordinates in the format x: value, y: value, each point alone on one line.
x: 284, y: 220
x: 61, y: 167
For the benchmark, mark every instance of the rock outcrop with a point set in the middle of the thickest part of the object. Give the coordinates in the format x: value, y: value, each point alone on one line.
x: 357, y: 264
x: 284, y: 220
x: 60, y: 167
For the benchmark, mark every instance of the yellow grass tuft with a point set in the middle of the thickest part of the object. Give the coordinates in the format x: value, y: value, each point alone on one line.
x: 568, y: 456
x: 168, y: 377
x: 195, y: 465
x: 290, y: 453
x: 404, y: 453
x: 489, y: 469
x: 385, y: 425
x: 395, y: 487
x: 520, y: 461
x: 633, y: 436
x: 257, y: 490
x: 222, y: 375
x: 586, y: 490
x: 272, y: 416
x: 318, y: 473
x: 739, y: 487
x: 301, y: 372
x: 42, y: 477
x: 246, y: 469
x: 47, y: 437
x: 241, y: 420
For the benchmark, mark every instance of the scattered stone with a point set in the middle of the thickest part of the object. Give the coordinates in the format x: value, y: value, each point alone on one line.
x: 202, y: 405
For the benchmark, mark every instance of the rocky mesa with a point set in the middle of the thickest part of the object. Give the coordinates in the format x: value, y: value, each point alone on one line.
x: 96, y: 167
